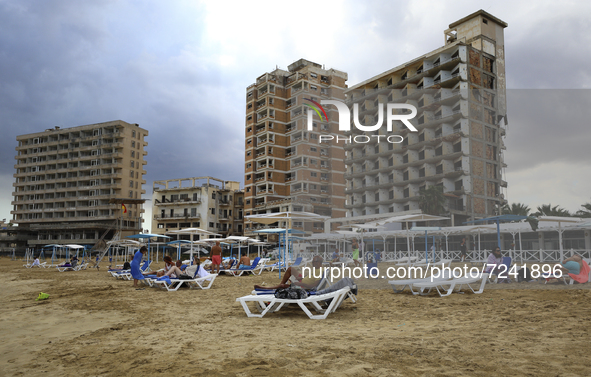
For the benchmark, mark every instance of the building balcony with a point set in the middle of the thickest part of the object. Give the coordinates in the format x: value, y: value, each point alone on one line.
x: 168, y: 202
x: 176, y: 216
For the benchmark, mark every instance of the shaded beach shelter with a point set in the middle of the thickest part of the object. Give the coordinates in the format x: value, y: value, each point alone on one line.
x: 426, y: 229
x: 560, y: 230
x: 498, y: 220
x: 148, y: 236
x: 239, y: 240
x: 288, y: 217
x: 72, y: 246
x: 125, y: 244
x: 53, y: 247
x: 410, y: 219
x: 192, y: 232
x: 361, y: 228
x: 178, y: 244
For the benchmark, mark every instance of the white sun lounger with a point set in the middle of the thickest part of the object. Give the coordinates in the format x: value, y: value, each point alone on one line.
x: 423, y: 263
x: 452, y: 284
x: 175, y: 284
x: 31, y: 265
x: 410, y: 282
x: 78, y: 267
x: 269, y: 303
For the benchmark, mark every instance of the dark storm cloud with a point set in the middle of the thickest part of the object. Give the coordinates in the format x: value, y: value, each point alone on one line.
x: 64, y: 64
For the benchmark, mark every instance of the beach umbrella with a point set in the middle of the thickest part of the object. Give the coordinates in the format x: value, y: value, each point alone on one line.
x: 498, y: 220
x: 53, y: 256
x: 288, y: 218
x: 178, y: 244
x: 192, y: 232
x: 148, y: 236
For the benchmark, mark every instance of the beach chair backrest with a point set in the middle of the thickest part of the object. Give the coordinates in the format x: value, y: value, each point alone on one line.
x: 145, y: 266
x: 507, y: 262
x: 255, y: 262
x: 297, y: 262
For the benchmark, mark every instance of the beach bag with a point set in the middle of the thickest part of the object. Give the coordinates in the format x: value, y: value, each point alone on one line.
x: 523, y: 274
x: 292, y: 293
x: 185, y: 277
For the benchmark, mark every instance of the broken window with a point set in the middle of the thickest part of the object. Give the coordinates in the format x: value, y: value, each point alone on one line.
x: 474, y: 58
x: 488, y: 82
x: 487, y: 64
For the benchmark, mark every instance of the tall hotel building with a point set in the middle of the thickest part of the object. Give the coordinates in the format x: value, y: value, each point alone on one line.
x: 71, y: 182
x: 286, y: 168
x: 459, y: 91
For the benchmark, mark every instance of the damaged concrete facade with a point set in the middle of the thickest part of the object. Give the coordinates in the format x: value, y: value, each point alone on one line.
x: 200, y: 202
x: 286, y: 168
x: 70, y: 182
x: 459, y: 91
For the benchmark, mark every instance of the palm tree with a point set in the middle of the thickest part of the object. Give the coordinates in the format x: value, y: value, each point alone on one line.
x: 548, y: 210
x: 519, y: 209
x: 432, y: 201
x: 586, y: 211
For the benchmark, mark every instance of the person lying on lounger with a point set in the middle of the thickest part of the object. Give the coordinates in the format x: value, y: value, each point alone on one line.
x: 294, y: 275
x: 572, y: 265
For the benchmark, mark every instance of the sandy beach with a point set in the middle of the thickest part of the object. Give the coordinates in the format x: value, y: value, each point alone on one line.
x: 95, y: 325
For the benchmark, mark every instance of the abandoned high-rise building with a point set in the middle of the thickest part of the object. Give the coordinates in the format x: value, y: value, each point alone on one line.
x: 459, y: 92
x: 286, y: 168
x: 208, y: 203
x: 71, y: 183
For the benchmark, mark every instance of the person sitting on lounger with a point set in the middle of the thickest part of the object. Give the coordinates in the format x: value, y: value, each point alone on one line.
x: 244, y: 263
x: 196, y: 269
x: 336, y: 257
x: 170, y: 269
x: 495, y: 260
x: 294, y: 275
x: 72, y: 263
x: 36, y: 262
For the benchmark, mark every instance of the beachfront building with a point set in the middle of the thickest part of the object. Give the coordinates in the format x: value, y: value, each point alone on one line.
x: 70, y: 183
x: 459, y: 92
x: 286, y: 168
x: 200, y: 202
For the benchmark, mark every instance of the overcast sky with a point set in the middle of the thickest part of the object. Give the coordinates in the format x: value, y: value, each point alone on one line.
x: 180, y: 69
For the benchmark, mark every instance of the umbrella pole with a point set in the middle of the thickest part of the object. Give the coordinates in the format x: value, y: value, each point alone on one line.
x: 426, y: 248
x: 520, y: 248
x: 499, y: 234
x: 560, y: 241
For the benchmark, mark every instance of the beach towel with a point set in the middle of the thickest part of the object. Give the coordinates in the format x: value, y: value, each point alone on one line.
x: 165, y: 278
x: 583, y: 276
x: 42, y: 296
